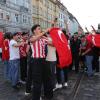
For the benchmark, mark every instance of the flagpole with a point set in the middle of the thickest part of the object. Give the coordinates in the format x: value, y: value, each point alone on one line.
x: 87, y: 30
x: 93, y: 29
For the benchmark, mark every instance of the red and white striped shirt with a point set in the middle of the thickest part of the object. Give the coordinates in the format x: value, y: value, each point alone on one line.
x: 38, y: 48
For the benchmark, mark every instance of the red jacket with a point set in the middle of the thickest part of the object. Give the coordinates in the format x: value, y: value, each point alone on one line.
x: 5, y: 50
x: 1, y: 39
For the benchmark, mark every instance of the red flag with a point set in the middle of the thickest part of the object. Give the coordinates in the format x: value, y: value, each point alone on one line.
x: 96, y: 40
x: 1, y: 39
x: 89, y: 38
x: 62, y: 47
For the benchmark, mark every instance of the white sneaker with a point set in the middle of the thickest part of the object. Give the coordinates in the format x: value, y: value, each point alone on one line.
x: 27, y: 93
x: 66, y: 84
x: 97, y: 73
x: 58, y: 86
x: 40, y: 98
x: 23, y: 82
x: 54, y: 89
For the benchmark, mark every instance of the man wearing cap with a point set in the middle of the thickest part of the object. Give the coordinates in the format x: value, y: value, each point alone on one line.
x: 14, y: 59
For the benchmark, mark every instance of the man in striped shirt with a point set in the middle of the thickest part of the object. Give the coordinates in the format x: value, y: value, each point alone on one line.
x: 40, y: 72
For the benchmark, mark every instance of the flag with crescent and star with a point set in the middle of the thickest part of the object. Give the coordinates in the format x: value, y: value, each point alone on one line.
x: 62, y: 47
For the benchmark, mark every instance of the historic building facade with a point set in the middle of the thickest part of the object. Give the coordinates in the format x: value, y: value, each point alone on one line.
x: 15, y: 15
x: 43, y: 12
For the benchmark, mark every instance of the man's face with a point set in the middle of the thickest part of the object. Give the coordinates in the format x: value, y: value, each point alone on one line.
x: 25, y: 37
x: 16, y: 37
x: 75, y: 36
x: 86, y: 35
x: 37, y: 30
x: 83, y: 39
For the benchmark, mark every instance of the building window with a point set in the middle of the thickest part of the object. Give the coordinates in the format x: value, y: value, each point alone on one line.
x: 3, y: 1
x: 26, y: 3
x: 14, y: 1
x: 7, y: 17
x: 16, y: 17
x: 34, y: 9
x: 41, y: 11
x: 24, y: 19
x: 1, y: 15
x: 59, y: 15
x: 29, y: 20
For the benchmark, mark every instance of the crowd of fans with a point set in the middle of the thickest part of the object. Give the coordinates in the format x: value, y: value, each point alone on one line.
x: 32, y: 60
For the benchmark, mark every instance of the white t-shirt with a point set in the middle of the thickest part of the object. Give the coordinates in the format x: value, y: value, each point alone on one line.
x: 14, y: 51
x: 51, y: 55
x: 0, y: 50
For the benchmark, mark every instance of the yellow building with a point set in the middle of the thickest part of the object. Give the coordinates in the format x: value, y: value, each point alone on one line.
x: 35, y: 11
x: 43, y: 12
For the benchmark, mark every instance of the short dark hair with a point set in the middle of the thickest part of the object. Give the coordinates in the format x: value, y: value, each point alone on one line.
x: 7, y: 35
x: 64, y: 31
x: 87, y: 33
x: 76, y: 33
x: 24, y: 33
x: 13, y: 34
x: 34, y: 27
x: 82, y: 36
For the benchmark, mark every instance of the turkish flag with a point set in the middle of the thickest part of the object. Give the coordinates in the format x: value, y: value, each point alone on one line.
x: 1, y: 39
x: 96, y: 40
x: 62, y: 47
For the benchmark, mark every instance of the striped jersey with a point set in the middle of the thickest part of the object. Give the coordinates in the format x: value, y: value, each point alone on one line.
x: 38, y: 48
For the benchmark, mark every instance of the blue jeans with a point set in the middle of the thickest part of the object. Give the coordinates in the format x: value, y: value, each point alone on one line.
x: 14, y: 71
x: 6, y: 70
x: 89, y: 60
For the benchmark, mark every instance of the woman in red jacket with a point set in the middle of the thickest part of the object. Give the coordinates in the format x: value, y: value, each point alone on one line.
x: 5, y: 55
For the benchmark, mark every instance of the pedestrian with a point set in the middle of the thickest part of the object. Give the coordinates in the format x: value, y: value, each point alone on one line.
x: 14, y: 59
x: 51, y: 60
x: 96, y: 51
x: 5, y: 55
x: 75, y: 47
x: 40, y: 73
x: 88, y: 52
x: 29, y: 71
x: 82, y: 49
x: 23, y: 58
x: 62, y: 73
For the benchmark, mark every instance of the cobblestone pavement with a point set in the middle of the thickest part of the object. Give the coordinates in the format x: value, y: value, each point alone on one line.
x: 89, y: 88
x: 80, y: 87
x: 6, y: 91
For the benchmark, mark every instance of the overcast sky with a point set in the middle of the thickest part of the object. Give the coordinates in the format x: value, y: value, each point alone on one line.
x: 86, y: 11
